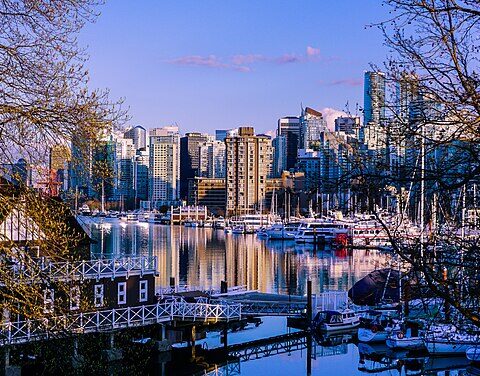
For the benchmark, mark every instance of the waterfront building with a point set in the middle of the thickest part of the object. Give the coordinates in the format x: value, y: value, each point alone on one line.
x: 138, y: 135
x: 164, y: 167
x: 289, y: 128
x: 212, y: 159
x: 248, y: 166
x: 189, y: 159
x: 312, y: 124
x: 209, y: 192
x: 123, y: 181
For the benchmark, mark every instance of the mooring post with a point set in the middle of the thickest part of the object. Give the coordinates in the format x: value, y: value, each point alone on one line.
x: 447, y: 304
x: 193, y: 334
x: 111, y: 340
x: 309, y: 354
x: 172, y: 282
x: 309, y: 302
x: 7, y: 356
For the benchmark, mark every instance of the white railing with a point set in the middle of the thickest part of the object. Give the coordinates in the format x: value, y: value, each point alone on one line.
x: 169, y: 290
x: 99, y: 321
x: 330, y: 300
x: 86, y: 269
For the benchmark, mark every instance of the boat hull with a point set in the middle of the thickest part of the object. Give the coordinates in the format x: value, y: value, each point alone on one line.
x: 367, y: 335
x: 412, y: 343
x: 436, y: 347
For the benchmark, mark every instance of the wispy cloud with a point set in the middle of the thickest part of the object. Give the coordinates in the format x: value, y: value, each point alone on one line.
x: 312, y: 51
x: 244, y: 62
x: 210, y: 61
x: 352, y: 82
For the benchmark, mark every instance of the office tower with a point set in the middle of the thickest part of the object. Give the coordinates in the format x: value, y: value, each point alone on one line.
x: 289, y: 127
x: 221, y: 134
x: 406, y: 95
x: 189, y: 159
x: 123, y: 170
x: 138, y: 135
x: 164, y: 166
x: 140, y: 175
x: 348, y: 125
x: 374, y: 97
x: 312, y: 124
x: 209, y: 192
x: 248, y: 166
x: 212, y: 159
x: 279, y: 145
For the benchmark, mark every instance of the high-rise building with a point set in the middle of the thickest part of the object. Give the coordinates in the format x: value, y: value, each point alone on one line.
x: 138, y: 135
x: 348, y: 124
x: 140, y: 175
x: 248, y: 166
x: 312, y: 124
x: 123, y: 170
x: 279, y: 145
x: 164, y: 166
x: 289, y: 127
x: 212, y: 159
x: 189, y: 159
x: 374, y: 97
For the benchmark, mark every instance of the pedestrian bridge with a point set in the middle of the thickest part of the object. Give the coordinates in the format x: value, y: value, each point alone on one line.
x: 114, y: 319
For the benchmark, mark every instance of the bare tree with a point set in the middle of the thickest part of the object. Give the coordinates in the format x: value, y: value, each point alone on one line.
x: 432, y: 126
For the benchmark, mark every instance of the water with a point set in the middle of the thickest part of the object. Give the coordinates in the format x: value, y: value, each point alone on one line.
x: 204, y: 257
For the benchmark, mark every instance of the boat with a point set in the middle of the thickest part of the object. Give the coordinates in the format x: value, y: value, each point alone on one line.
x: 238, y: 230
x: 336, y: 320
x: 473, y: 353
x: 131, y: 217
x: 219, y: 223
x: 280, y: 231
x: 407, y: 335
x: 155, y: 218
x: 447, y: 339
x: 377, y: 330
x: 228, y: 230
x: 319, y: 231
x: 262, y: 232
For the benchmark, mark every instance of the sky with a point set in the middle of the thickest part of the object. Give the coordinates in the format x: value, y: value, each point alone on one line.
x: 207, y: 65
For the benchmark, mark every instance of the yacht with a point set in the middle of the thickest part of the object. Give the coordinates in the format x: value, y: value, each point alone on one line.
x: 407, y: 335
x: 321, y: 231
x: 280, y: 231
x: 219, y: 223
x: 155, y: 218
x: 336, y: 320
x: 446, y: 339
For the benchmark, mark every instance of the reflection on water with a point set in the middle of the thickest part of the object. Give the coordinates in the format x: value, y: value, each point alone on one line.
x: 204, y: 257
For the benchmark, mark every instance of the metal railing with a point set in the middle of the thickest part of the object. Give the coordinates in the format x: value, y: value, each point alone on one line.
x: 43, y: 269
x: 112, y: 319
x: 170, y: 290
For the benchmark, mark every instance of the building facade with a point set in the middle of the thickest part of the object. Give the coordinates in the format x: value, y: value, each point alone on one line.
x: 289, y: 128
x: 248, y: 166
x: 164, y: 167
x: 189, y: 159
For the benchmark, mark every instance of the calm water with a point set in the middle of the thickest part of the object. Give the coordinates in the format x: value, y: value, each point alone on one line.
x: 204, y: 257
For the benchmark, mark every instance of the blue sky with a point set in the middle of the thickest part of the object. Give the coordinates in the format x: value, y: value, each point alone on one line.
x: 209, y: 65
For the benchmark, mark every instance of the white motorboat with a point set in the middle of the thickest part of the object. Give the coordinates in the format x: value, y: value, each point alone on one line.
x: 407, y: 335
x: 377, y: 330
x: 228, y: 230
x: 320, y: 231
x: 280, y: 231
x: 448, y: 339
x: 336, y: 320
x: 155, y: 218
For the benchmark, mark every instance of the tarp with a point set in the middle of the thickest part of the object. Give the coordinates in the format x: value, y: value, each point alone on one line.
x: 370, y: 289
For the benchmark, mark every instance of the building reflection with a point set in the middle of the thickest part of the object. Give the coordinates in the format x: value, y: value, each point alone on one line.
x: 205, y: 257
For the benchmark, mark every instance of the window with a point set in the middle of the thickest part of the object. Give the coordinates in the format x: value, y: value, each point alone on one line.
x: 74, y: 298
x: 98, y: 295
x: 48, y: 300
x: 122, y: 292
x: 143, y: 291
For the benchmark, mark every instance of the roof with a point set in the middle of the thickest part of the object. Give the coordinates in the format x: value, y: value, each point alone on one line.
x: 313, y: 112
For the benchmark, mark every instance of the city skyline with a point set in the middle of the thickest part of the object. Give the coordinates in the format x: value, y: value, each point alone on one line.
x: 253, y: 65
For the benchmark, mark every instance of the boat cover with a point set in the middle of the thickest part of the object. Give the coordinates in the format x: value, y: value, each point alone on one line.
x: 377, y: 287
